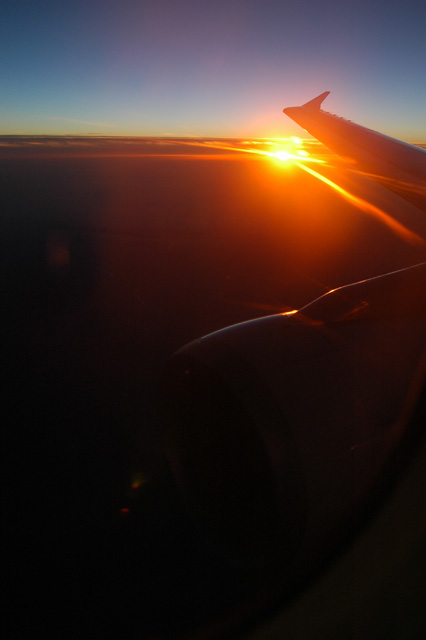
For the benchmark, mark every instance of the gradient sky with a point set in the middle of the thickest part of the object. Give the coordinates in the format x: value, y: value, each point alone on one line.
x: 218, y: 68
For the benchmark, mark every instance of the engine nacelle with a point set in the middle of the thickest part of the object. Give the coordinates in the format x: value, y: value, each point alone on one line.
x: 279, y: 430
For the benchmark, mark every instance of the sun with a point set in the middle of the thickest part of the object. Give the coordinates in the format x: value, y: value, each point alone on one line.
x: 291, y: 149
x: 282, y: 155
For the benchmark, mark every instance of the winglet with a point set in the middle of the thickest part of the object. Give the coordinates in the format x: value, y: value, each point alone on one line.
x: 315, y: 103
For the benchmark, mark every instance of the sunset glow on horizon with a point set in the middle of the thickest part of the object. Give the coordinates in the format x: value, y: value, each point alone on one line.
x: 290, y: 156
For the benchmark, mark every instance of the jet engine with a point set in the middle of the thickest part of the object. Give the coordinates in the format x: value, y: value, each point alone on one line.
x: 282, y: 432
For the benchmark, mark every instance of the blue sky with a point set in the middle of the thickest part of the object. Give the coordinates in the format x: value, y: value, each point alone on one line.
x: 224, y: 68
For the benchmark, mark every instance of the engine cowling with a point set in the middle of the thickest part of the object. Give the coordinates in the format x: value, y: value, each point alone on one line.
x: 279, y: 431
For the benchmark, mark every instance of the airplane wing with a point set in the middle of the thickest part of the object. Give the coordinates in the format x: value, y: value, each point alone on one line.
x: 401, y: 167
x: 282, y: 433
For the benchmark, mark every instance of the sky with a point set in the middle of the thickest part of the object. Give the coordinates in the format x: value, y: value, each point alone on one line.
x: 209, y: 68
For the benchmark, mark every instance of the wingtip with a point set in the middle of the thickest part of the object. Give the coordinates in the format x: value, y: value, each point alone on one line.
x: 316, y: 103
x: 313, y: 105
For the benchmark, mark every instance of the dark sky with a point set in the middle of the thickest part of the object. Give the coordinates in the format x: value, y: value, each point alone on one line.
x: 224, y: 68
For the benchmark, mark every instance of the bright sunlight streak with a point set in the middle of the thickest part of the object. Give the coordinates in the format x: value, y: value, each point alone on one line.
x: 300, y: 157
x: 397, y: 228
x: 293, y: 151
